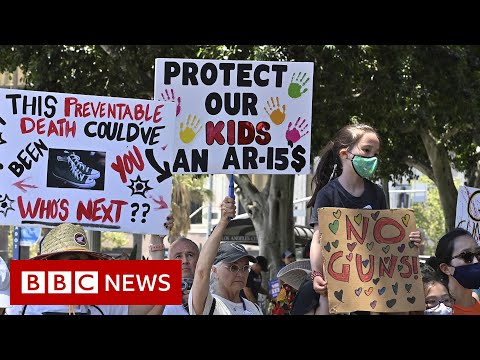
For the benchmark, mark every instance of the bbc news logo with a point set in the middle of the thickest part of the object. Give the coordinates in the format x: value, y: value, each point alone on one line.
x: 99, y: 282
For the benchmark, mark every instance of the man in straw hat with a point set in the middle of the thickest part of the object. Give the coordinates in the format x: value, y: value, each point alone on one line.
x: 306, y: 301
x: 4, y: 286
x: 69, y: 242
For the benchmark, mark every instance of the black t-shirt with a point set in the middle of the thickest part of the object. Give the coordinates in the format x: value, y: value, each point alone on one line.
x: 306, y: 299
x: 254, y: 282
x: 334, y: 195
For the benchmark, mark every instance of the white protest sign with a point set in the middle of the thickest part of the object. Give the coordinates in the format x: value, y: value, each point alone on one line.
x: 468, y: 210
x: 91, y: 160
x: 240, y: 117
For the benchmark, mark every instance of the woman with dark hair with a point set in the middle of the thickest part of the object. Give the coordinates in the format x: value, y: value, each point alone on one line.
x: 456, y: 260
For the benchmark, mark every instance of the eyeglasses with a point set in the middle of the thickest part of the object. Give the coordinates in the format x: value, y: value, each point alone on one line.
x: 468, y: 256
x: 234, y: 268
x: 432, y: 303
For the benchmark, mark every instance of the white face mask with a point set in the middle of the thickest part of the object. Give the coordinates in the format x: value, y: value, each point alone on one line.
x: 440, y: 309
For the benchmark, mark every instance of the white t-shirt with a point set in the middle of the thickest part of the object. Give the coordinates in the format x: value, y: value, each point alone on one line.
x: 80, y: 309
x: 175, y: 310
x: 225, y: 307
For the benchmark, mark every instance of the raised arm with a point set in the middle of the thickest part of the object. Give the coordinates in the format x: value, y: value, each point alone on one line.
x: 316, y: 262
x: 201, y: 281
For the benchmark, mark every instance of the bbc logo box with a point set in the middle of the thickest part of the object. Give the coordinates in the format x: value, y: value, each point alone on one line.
x: 100, y: 282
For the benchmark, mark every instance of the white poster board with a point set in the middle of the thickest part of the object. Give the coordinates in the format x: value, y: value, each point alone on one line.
x: 468, y: 210
x: 91, y: 160
x: 241, y: 117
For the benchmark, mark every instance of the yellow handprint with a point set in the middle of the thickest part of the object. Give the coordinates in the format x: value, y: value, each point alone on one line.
x: 188, y: 134
x: 276, y: 114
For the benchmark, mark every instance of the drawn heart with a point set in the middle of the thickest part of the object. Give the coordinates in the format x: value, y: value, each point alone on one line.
x: 386, y: 249
x: 375, y: 281
x: 401, y: 248
x: 373, y: 304
x: 408, y: 287
x: 337, y: 214
x: 349, y: 257
x: 369, y: 291
x: 411, y: 300
x: 382, y: 290
x: 351, y: 246
x: 391, y: 302
x: 365, y: 262
x: 400, y: 267
x: 328, y: 247
x: 370, y: 246
x: 333, y: 226
x: 358, y: 219
x: 386, y: 260
x: 375, y: 215
x: 395, y: 288
x: 406, y: 219
x: 335, y: 243
x: 339, y: 295
x: 358, y: 291
x: 411, y: 244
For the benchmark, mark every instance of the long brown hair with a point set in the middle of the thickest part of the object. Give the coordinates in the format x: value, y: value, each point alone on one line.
x: 347, y: 137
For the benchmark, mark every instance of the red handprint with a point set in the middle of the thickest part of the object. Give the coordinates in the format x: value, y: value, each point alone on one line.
x: 171, y: 97
x: 160, y: 201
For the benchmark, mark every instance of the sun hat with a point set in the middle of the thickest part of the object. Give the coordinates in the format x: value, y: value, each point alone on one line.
x: 67, y: 238
x: 295, y: 273
x: 288, y: 253
x: 231, y: 252
x: 4, y: 284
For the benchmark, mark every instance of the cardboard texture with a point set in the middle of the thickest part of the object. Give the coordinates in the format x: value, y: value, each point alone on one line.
x: 370, y: 263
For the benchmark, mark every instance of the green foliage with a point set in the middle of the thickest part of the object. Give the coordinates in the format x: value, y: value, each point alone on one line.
x: 111, y: 240
x: 429, y: 216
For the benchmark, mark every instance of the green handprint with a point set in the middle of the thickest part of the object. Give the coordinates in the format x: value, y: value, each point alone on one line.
x: 295, y: 87
x: 188, y: 134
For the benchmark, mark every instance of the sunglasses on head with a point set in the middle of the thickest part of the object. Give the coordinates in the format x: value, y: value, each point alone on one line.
x: 468, y: 256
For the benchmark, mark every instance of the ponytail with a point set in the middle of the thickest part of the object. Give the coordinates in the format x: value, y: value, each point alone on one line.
x: 328, y: 168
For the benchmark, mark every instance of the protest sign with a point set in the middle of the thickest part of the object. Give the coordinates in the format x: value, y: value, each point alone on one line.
x: 468, y: 210
x: 242, y: 117
x: 370, y: 263
x: 96, y: 161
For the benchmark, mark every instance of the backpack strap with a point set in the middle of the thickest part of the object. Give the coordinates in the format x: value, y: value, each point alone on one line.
x: 24, y: 309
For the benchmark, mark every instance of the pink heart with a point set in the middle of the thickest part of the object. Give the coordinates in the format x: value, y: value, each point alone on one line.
x: 351, y: 246
x: 349, y: 257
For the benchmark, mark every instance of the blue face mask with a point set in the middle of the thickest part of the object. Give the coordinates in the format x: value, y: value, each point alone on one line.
x: 468, y: 275
x: 364, y: 166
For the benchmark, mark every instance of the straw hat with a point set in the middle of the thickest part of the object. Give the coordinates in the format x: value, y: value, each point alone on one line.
x: 4, y: 285
x: 295, y: 273
x: 67, y: 238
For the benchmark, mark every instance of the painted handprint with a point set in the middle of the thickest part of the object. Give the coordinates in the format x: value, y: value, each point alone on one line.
x: 160, y: 201
x: 297, y: 132
x: 296, y: 85
x: 171, y: 97
x: 276, y: 114
x: 188, y: 134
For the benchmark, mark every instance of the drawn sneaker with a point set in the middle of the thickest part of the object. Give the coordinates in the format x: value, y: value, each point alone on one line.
x: 66, y: 170
x: 87, y: 170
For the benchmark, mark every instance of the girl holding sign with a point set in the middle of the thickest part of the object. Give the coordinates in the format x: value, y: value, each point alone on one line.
x: 341, y: 181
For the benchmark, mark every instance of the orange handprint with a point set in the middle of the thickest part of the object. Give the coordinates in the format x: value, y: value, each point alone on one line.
x: 276, y: 114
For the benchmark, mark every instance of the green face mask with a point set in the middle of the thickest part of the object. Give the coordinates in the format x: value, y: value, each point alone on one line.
x: 364, y: 166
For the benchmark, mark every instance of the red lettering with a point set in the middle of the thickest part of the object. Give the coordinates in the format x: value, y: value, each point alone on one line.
x: 404, y: 261
x: 387, y: 268
x: 342, y: 276
x: 214, y: 132
x: 351, y: 228
x: 69, y: 101
x: 246, y: 133
x: 80, y: 284
x: 263, y: 137
x: 32, y: 282
x: 59, y: 282
x: 127, y: 164
x: 359, y: 263
x: 377, y: 231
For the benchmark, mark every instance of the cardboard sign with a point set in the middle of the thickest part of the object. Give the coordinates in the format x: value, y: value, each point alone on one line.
x: 96, y: 161
x: 370, y: 263
x: 242, y: 117
x: 468, y: 210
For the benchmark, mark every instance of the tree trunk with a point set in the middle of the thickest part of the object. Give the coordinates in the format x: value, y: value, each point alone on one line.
x: 443, y: 177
